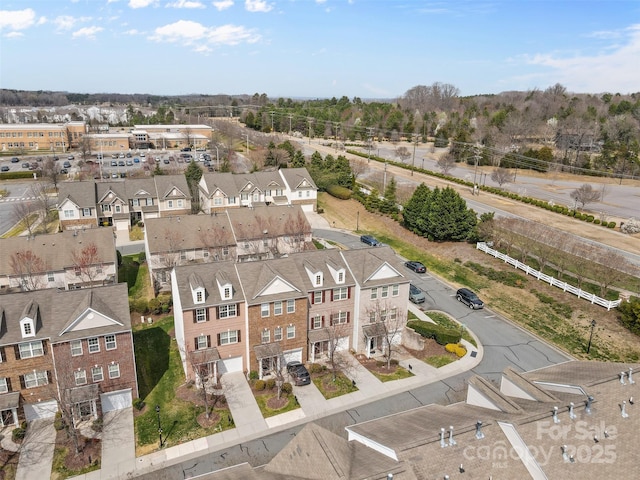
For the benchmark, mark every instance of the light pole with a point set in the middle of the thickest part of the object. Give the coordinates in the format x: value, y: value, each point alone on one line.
x: 159, y: 426
x: 593, y: 326
x: 247, y: 135
x: 217, y: 157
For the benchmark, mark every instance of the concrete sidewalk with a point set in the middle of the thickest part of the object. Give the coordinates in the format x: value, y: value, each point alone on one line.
x: 249, y: 423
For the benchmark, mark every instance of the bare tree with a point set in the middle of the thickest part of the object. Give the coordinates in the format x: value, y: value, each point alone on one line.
x: 214, y: 240
x: 201, y: 362
x: 51, y: 171
x: 501, y: 176
x: 25, y: 214
x: 86, y: 261
x: 29, y: 267
x: 358, y: 167
x: 402, y: 153
x: 44, y: 201
x: 171, y: 257
x: 390, y: 323
x: 296, y: 230
x: 337, y: 331
x: 585, y: 194
x: 609, y: 269
x: 446, y: 163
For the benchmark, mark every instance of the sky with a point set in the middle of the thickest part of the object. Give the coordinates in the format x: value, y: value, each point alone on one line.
x: 318, y: 48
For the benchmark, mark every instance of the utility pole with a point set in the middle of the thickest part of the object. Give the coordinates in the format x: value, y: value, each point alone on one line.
x: 369, y: 142
x: 477, y: 158
x: 272, y: 114
x: 309, y: 121
x: 413, y: 162
x: 247, y: 135
x: 290, y: 118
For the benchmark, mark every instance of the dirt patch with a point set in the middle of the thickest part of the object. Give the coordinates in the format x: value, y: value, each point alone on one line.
x: 90, y: 451
x: 431, y: 349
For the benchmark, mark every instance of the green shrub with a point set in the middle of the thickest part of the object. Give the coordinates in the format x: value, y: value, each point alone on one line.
x: 18, y: 434
x: 590, y: 218
x: 316, y: 368
x: 97, y: 425
x: 138, y: 404
x: 154, y: 305
x: 597, y: 221
x: 259, y: 385
x: 287, y: 388
x: 270, y: 384
x: 58, y: 422
x: 142, y: 256
x: 139, y: 305
x: 253, y: 375
x: 440, y: 334
x: 611, y: 225
x: 15, y: 175
x: 339, y: 192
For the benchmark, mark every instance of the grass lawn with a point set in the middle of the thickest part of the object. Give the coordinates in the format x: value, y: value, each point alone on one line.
x: 446, y: 321
x: 263, y: 399
x: 438, y: 361
x: 398, y: 373
x: 331, y: 388
x: 159, y: 376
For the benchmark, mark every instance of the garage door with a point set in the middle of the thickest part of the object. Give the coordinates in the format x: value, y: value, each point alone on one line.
x: 115, y: 400
x: 230, y: 365
x: 293, y: 355
x: 307, y: 207
x: 122, y: 224
x: 35, y: 411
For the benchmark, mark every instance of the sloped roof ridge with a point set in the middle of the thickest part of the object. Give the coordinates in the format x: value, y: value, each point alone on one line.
x: 500, y: 400
x: 538, y: 393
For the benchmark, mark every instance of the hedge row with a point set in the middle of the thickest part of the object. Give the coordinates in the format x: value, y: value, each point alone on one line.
x: 339, y: 191
x: 15, y: 175
x: 561, y: 209
x: 440, y: 334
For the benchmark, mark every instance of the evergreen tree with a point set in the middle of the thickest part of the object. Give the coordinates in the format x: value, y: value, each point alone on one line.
x: 298, y: 160
x: 413, y: 208
x: 389, y: 203
x: 372, y: 203
x: 193, y: 174
x: 447, y: 216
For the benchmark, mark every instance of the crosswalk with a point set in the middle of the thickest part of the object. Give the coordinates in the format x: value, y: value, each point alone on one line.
x: 16, y: 199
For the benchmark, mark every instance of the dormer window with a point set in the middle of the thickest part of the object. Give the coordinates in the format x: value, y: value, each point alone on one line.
x: 227, y: 293
x: 199, y: 296
x: 318, y: 282
x: 340, y: 277
x: 27, y: 328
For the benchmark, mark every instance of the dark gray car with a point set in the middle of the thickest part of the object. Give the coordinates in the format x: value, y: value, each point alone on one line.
x: 299, y: 373
x: 470, y: 299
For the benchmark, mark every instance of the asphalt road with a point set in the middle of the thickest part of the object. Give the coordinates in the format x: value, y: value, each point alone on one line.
x: 18, y: 192
x: 505, y: 344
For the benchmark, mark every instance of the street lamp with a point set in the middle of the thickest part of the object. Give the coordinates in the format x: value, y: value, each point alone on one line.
x: 159, y: 426
x: 593, y: 326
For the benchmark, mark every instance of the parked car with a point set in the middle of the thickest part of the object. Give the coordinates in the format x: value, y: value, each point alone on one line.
x: 136, y: 160
x: 129, y: 162
x: 128, y: 154
x: 25, y: 165
x: 114, y: 163
x: 469, y: 298
x: 99, y: 156
x: 15, y: 160
x: 415, y: 266
x: 142, y: 154
x: 299, y: 373
x: 121, y: 163
x: 70, y: 157
x: 56, y: 158
x: 64, y: 171
x: 416, y: 295
x: 369, y: 240
x: 66, y: 164
x: 4, y: 168
x: 114, y: 155
x: 166, y: 161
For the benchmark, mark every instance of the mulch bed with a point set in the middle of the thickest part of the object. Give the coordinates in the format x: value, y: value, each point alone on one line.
x: 8, y: 461
x: 90, y: 451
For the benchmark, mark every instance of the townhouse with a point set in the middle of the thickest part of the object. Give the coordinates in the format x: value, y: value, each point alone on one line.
x: 242, y: 234
x: 122, y: 204
x: 65, y: 349
x: 219, y: 191
x: 210, y: 321
x: 67, y: 260
x: 301, y: 307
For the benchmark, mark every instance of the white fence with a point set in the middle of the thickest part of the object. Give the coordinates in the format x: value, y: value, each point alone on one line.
x: 608, y: 304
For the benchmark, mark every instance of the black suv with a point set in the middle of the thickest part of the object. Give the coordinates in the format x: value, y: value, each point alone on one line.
x: 469, y: 298
x: 299, y: 373
x: 369, y: 240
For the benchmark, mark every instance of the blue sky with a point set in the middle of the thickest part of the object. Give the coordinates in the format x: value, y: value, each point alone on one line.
x: 318, y: 48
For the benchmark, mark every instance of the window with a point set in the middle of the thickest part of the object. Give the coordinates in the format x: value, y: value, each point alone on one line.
x: 291, y: 331
x: 318, y: 280
x: 86, y: 212
x: 80, y: 376
x: 179, y: 202
x: 170, y: 203
x: 77, y: 271
x: 68, y: 213
x: 339, y: 318
x: 372, y: 317
x: 291, y: 306
x: 35, y: 379
x: 317, y: 322
x: 385, y: 292
x: 31, y: 349
x: 299, y: 194
x: 96, y: 374
x: 199, y: 295
x: 393, y: 314
x: 232, y: 200
x: 114, y: 370
x: 110, y: 342
x: 256, y: 197
x: 27, y: 329
x: 264, y: 310
x: 50, y: 277
x: 395, y: 290
x: 277, y: 334
x: 340, y: 277
x: 4, y: 385
x: 227, y: 311
x: 201, y: 315
x: 94, y: 345
x: 374, y: 293
x: 202, y: 342
x: 118, y: 209
x: 340, y: 293
x: 266, y: 336
x: 76, y: 348
x: 183, y: 255
x: 227, y: 292
x: 225, y: 251
x: 228, y: 337
x: 317, y: 297
x: 205, y: 253
x: 217, y: 201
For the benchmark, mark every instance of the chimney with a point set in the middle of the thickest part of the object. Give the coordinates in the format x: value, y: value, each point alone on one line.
x: 442, y: 444
x: 572, y: 415
x: 452, y: 442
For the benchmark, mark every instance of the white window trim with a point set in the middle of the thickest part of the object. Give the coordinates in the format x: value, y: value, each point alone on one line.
x: 74, y: 344
x: 291, y: 332
x: 97, y: 344
x: 114, y: 367
x: 114, y: 343
x: 265, y: 310
x: 80, y: 377
x: 97, y: 374
x: 291, y: 306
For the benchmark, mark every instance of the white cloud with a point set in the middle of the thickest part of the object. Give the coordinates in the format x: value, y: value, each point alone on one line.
x: 185, y: 4
x: 14, y: 34
x: 223, y: 4
x: 257, y: 6
x: 17, y: 19
x: 87, y: 32
x: 201, y: 38
x: 615, y: 68
x: 141, y: 3
x: 64, y: 22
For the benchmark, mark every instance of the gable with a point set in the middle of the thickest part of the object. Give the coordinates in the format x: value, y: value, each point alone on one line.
x: 277, y: 286
x: 384, y: 271
x: 110, y: 197
x: 304, y: 184
x: 90, y: 319
x: 67, y: 202
x: 142, y: 193
x: 175, y: 192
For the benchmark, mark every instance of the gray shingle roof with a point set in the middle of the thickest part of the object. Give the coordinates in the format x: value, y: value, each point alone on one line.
x: 364, y: 262
x: 189, y: 231
x: 295, y: 176
x: 207, y: 274
x: 82, y: 194
x: 272, y: 221
x: 56, y: 250
x: 57, y: 309
x: 257, y: 276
